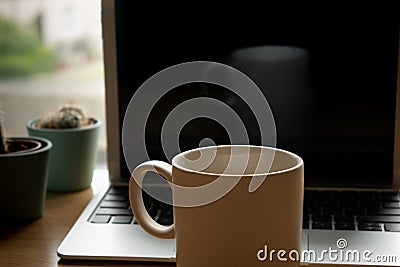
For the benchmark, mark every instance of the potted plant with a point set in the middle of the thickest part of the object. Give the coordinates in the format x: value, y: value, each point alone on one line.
x: 74, y: 137
x: 23, y: 170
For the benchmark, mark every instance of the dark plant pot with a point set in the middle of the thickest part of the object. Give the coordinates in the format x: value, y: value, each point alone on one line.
x: 73, y: 156
x: 23, y: 180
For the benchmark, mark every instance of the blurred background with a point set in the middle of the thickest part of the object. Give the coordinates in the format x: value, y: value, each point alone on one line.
x: 50, y: 54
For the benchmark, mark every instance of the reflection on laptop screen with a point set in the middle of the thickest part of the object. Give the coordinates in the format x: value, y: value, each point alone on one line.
x: 341, y: 121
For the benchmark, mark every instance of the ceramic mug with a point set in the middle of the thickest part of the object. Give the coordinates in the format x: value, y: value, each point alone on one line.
x: 219, y: 219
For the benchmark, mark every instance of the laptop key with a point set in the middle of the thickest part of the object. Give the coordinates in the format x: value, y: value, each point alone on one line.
x: 330, y: 211
x: 100, y: 219
x: 165, y: 221
x: 369, y: 227
x: 322, y: 225
x: 116, y: 197
x: 379, y: 219
x: 153, y: 212
x: 392, y: 227
x: 118, y: 190
x: 391, y: 205
x: 308, y: 210
x: 353, y: 211
x: 345, y: 226
x: 344, y: 219
x: 390, y: 195
x: 122, y: 219
x: 111, y: 211
x: 321, y: 218
x: 371, y: 205
x: 114, y: 204
x: 384, y: 212
x: 391, y: 198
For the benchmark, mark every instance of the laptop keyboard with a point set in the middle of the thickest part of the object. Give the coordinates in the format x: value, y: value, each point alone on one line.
x: 352, y: 210
x: 327, y: 210
x: 115, y: 209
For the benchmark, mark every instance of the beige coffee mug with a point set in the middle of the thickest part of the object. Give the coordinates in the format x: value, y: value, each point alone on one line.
x: 233, y: 206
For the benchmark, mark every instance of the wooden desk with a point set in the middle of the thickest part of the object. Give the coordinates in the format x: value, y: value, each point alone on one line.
x: 35, y: 244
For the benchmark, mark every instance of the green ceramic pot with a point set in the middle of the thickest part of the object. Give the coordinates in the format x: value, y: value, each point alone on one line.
x: 73, y: 156
x: 23, y: 180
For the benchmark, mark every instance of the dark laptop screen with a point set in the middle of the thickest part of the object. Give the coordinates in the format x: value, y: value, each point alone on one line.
x: 343, y: 123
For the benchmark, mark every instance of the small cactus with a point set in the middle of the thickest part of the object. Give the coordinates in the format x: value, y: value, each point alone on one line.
x: 3, y: 139
x: 67, y: 116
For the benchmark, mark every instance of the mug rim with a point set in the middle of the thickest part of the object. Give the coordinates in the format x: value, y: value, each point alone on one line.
x: 299, y: 161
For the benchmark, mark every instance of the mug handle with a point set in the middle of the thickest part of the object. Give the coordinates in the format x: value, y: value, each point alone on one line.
x: 136, y: 200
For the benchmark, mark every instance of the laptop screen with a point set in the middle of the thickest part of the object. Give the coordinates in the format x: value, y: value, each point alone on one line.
x: 339, y: 116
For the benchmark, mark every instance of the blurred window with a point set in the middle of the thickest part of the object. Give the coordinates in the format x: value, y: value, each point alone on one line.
x: 50, y: 54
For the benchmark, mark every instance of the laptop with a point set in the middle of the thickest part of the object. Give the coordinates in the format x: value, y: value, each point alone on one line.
x: 342, y: 120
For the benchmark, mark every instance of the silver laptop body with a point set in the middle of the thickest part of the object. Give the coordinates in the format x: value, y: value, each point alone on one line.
x: 97, y: 241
